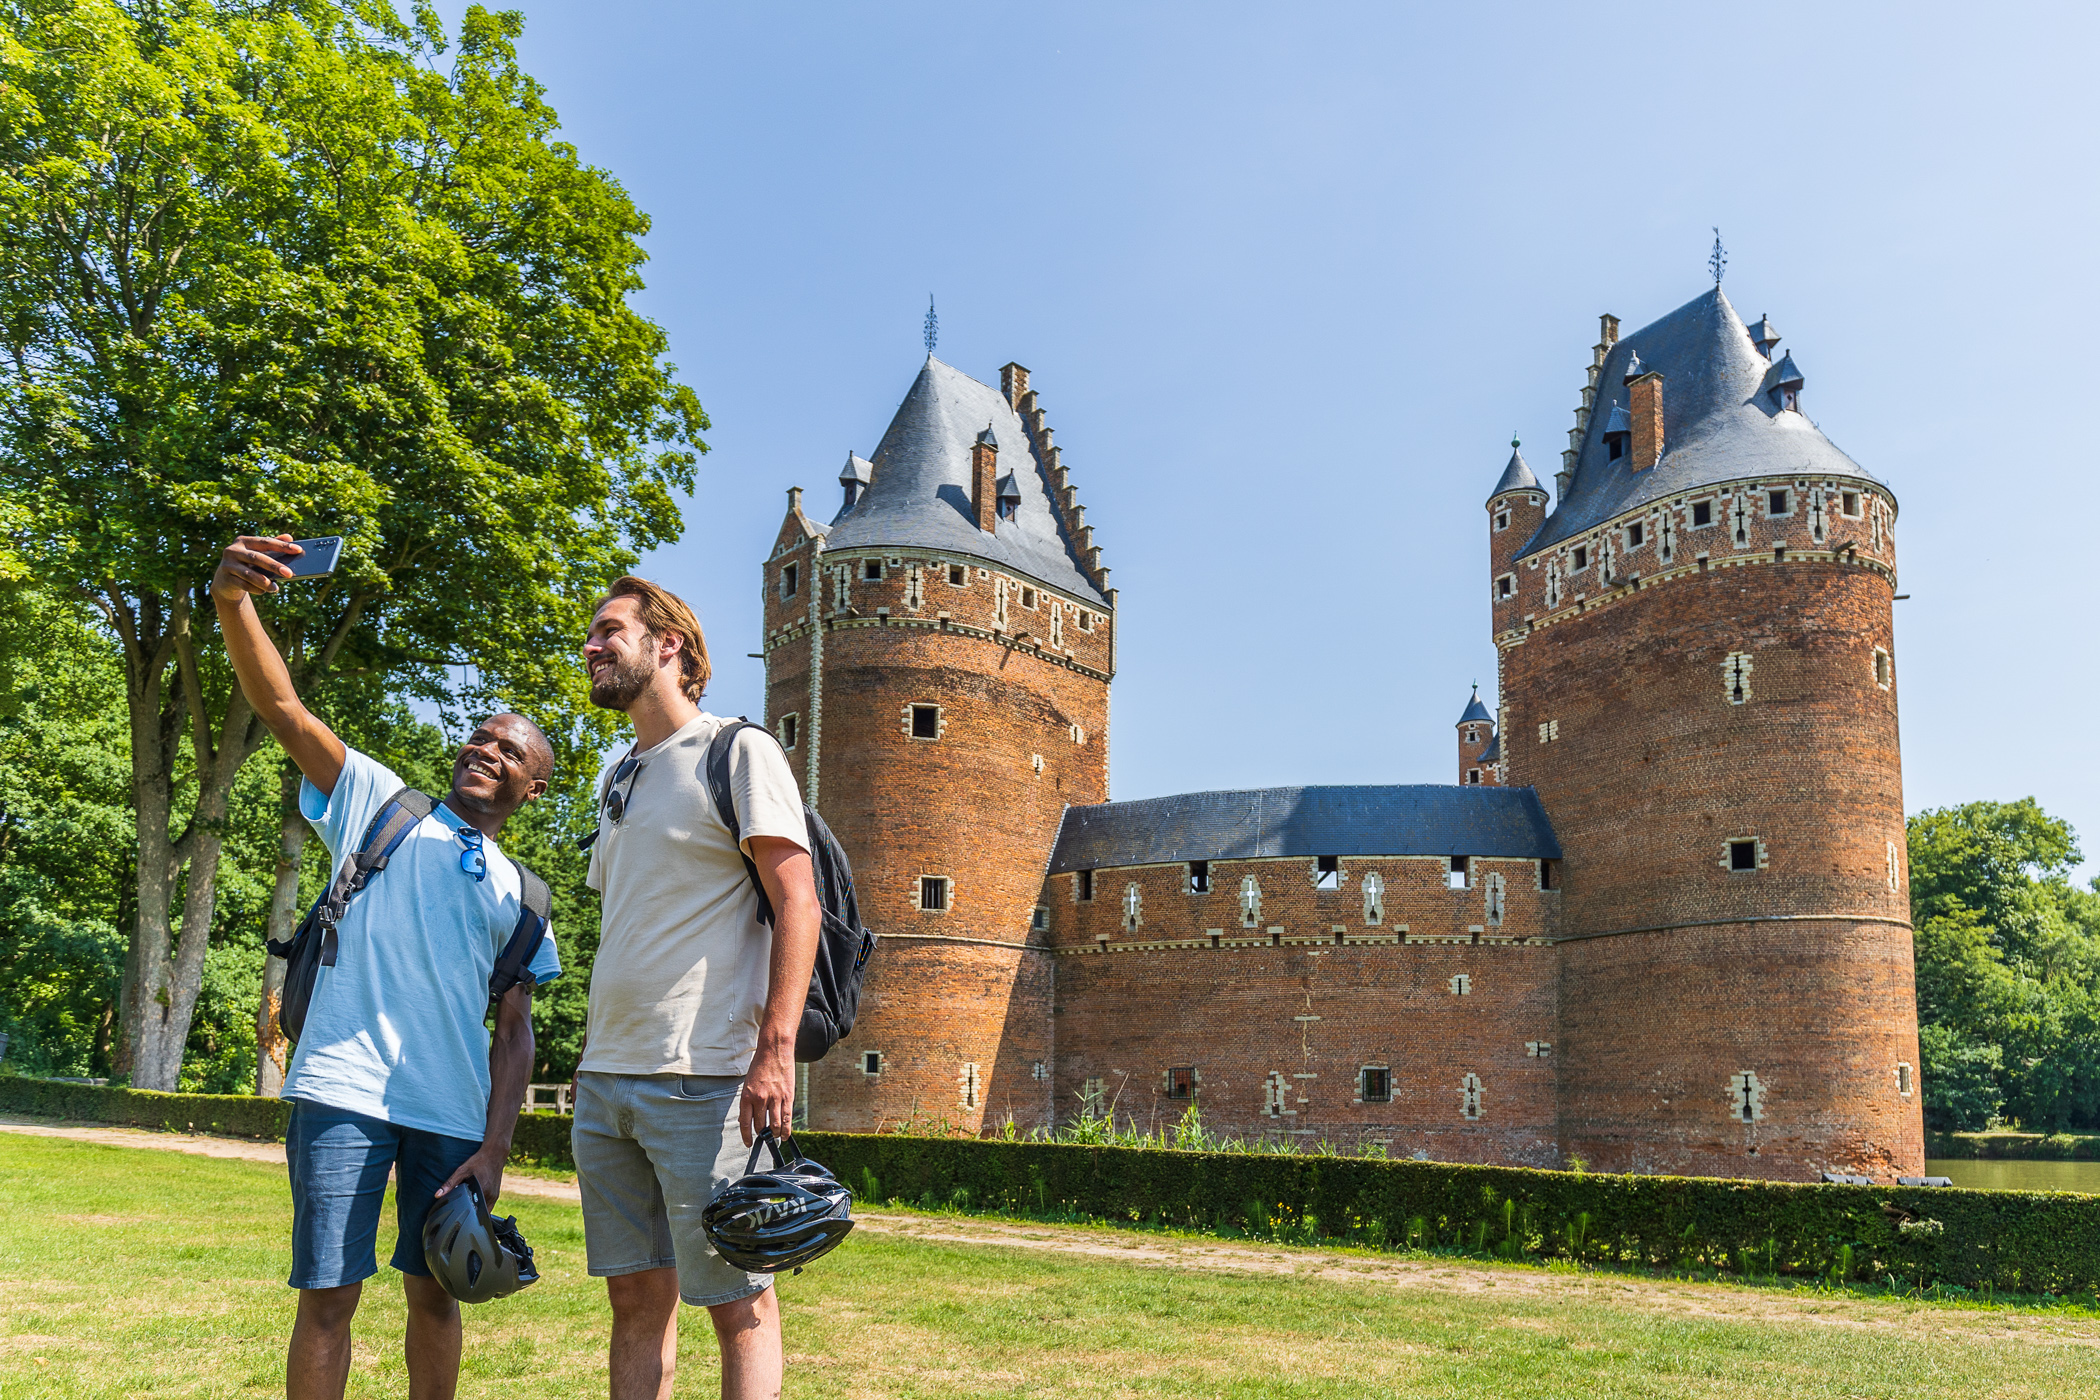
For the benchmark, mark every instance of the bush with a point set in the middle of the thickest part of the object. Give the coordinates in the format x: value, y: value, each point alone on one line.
x: 2020, y: 1241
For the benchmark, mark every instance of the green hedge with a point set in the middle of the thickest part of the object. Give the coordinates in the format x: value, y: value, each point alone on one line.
x: 2019, y: 1241
x: 229, y: 1115
x: 2015, y: 1147
x: 2030, y: 1242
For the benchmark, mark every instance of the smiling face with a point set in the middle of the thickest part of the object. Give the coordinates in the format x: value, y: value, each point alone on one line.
x: 622, y: 657
x: 504, y: 764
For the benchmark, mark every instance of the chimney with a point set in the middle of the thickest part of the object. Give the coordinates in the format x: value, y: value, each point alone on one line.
x: 1647, y: 415
x: 1013, y: 382
x: 794, y: 500
x: 984, y: 463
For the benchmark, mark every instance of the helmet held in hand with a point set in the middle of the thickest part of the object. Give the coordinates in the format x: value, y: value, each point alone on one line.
x: 474, y: 1255
x: 782, y: 1218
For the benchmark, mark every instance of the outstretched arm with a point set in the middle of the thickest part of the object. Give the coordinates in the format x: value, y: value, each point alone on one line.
x: 253, y: 564
x: 785, y: 871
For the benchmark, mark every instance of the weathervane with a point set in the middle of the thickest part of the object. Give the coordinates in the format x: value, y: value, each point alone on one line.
x: 1717, y: 261
x: 933, y: 324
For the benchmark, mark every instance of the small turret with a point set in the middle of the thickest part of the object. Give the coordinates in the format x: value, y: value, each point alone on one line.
x: 1516, y: 509
x: 1783, y: 384
x: 858, y: 472
x: 1764, y: 335
x: 1476, y: 732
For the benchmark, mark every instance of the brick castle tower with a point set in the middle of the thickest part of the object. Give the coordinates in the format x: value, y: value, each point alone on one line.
x: 937, y: 662
x: 1697, y: 680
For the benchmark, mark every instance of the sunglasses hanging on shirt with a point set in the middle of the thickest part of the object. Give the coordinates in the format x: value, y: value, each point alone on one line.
x: 618, y: 793
x: 473, y: 860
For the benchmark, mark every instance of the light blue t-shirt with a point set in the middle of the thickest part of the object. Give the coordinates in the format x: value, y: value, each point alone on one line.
x: 395, y: 1028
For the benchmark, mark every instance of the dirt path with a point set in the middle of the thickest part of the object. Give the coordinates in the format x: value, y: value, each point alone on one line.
x: 1721, y: 1302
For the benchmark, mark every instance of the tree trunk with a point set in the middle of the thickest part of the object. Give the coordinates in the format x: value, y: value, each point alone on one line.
x: 271, y: 1048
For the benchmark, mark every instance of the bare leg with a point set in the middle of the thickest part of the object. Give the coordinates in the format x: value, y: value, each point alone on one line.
x: 317, y: 1367
x: 433, y: 1339
x: 644, y: 1333
x: 749, y: 1332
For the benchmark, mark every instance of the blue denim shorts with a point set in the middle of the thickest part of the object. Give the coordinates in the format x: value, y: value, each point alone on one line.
x: 339, y: 1163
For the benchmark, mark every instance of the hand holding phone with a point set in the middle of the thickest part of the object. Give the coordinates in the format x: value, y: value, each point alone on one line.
x: 256, y: 563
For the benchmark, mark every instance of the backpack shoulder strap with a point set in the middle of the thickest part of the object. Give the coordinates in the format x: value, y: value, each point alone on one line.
x: 719, y: 786
x: 396, y: 817
x: 513, y: 964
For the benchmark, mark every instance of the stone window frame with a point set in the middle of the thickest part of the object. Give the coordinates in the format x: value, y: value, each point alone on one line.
x: 1275, y: 1092
x: 1133, y: 907
x: 1471, y: 1096
x: 871, y: 1063
x: 1198, y: 878
x: 1895, y: 875
x: 1079, y: 736
x: 1746, y: 1096
x: 1906, y: 1078
x: 1250, y: 909
x: 1083, y: 887
x: 947, y: 895
x: 1736, y: 670
x: 1505, y: 586
x: 1549, y: 731
x: 1579, y: 557
x: 1039, y: 918
x: 1859, y: 504
x: 1691, y: 514
x: 1789, y: 491
x: 872, y: 571
x: 1373, y: 886
x: 1727, y: 861
x: 1086, y: 619
x: 914, y: 586
x: 1327, y: 873
x: 1093, y: 1096
x: 940, y: 721
x: 789, y: 728
x: 958, y: 575
x: 1884, y: 668
x: 1635, y: 534
x: 1462, y: 867
x: 1461, y: 984
x: 970, y: 1085
x: 1031, y: 597
x: 1181, y: 1082
x: 790, y: 580
x: 1538, y: 1049
x: 1363, y: 1083
x: 1501, y: 520
x: 1494, y: 897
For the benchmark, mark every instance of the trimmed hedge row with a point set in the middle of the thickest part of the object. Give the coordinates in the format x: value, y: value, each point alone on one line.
x: 2015, y: 1147
x: 2027, y: 1242
x: 2030, y: 1242
x: 229, y: 1115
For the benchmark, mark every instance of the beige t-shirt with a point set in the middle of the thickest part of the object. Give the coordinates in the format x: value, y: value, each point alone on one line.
x: 680, y: 980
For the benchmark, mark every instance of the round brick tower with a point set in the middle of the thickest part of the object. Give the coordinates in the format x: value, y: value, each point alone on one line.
x: 938, y: 658
x: 1697, y: 676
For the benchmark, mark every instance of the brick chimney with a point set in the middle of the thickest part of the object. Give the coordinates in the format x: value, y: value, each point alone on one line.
x: 1647, y: 414
x: 1013, y: 382
x: 984, y: 465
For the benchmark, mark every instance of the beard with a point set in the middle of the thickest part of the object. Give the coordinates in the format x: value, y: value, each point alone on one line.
x: 622, y: 683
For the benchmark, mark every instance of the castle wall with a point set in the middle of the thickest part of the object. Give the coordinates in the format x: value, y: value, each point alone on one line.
x: 1278, y: 1016
x: 1747, y: 702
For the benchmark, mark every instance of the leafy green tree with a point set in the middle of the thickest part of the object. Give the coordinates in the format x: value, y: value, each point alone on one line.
x: 2008, y: 969
x: 272, y: 265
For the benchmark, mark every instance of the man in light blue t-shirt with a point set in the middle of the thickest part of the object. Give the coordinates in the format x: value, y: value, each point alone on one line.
x: 394, y: 1070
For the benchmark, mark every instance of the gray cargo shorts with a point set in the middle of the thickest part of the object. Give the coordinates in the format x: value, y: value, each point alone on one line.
x: 650, y: 1150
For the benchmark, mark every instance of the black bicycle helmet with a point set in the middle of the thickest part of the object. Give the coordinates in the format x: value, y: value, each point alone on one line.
x: 475, y: 1255
x: 767, y: 1221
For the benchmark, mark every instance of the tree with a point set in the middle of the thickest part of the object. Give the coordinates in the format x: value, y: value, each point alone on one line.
x: 265, y: 265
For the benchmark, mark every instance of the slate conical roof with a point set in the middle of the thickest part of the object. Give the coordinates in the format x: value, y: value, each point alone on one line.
x: 1476, y: 713
x: 1717, y: 425
x: 920, y: 497
x: 1516, y: 476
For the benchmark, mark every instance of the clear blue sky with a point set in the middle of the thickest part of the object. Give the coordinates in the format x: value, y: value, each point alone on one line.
x: 1288, y: 278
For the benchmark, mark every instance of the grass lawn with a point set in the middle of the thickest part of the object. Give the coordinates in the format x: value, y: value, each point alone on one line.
x: 128, y: 1272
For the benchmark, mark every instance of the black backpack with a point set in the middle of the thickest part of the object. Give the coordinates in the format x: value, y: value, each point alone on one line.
x: 313, y: 946
x: 843, y: 942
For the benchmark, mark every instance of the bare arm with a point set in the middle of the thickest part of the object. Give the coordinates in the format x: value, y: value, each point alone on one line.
x: 251, y: 565
x: 790, y: 883
x: 510, y: 1070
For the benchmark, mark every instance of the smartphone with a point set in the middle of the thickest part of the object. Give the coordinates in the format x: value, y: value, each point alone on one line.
x: 319, y: 559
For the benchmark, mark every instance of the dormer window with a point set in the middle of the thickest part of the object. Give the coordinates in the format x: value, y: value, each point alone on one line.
x: 1616, y: 446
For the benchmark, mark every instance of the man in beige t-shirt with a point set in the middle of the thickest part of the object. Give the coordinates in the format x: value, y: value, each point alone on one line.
x: 694, y: 1002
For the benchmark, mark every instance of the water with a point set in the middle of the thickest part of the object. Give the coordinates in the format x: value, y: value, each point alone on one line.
x: 2019, y: 1176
